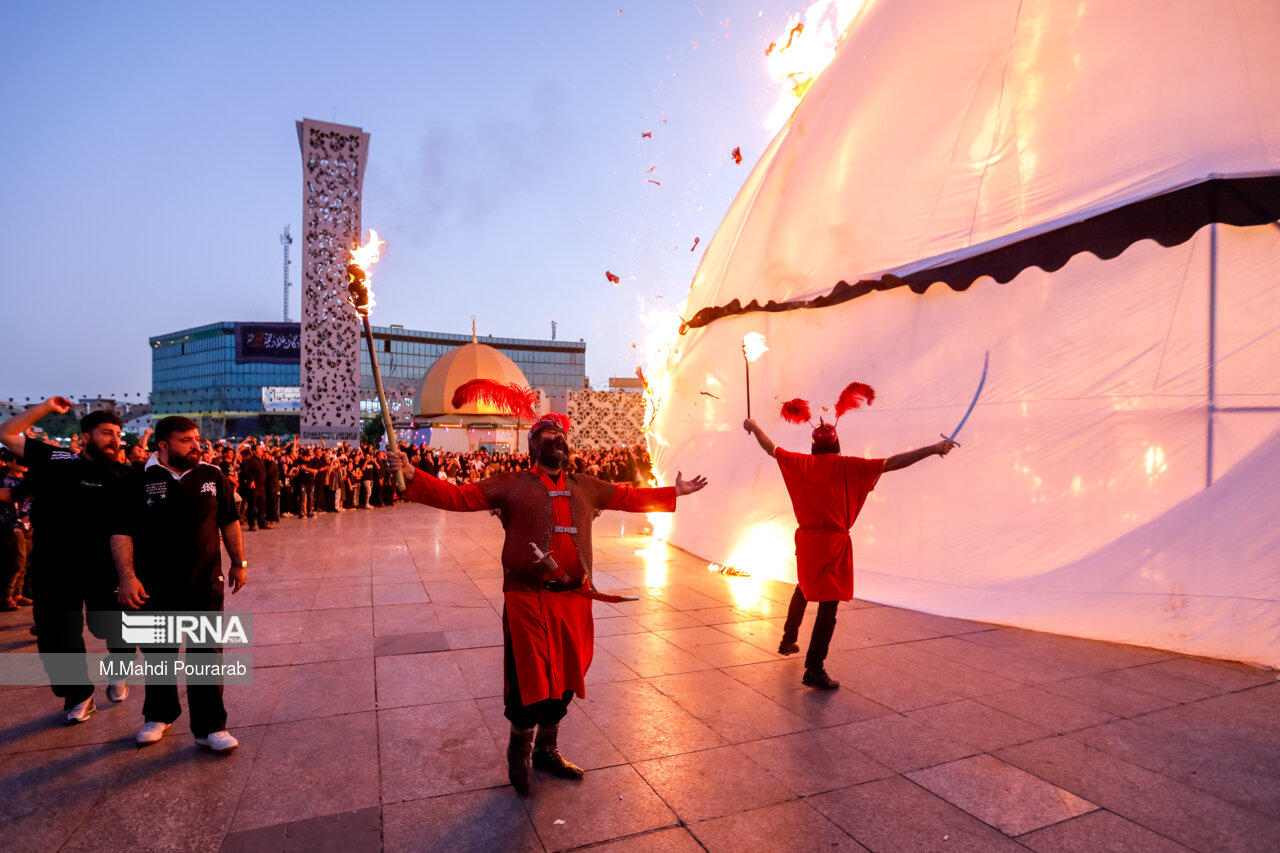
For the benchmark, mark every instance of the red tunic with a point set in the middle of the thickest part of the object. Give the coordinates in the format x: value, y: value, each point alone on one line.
x: 827, y: 492
x: 552, y: 633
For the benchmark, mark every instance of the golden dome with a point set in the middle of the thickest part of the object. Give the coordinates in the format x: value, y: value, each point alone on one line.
x: 462, y: 364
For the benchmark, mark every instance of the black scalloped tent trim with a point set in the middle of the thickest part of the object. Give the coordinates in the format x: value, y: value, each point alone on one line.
x: 1169, y: 219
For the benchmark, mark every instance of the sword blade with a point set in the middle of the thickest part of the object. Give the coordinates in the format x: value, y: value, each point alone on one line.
x: 986, y: 358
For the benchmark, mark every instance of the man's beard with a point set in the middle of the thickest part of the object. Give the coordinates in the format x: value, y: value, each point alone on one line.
x: 184, y: 463
x: 552, y: 457
x: 102, y: 455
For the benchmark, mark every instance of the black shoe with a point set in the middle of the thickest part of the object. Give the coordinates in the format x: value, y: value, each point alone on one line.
x: 818, y: 678
x: 785, y: 648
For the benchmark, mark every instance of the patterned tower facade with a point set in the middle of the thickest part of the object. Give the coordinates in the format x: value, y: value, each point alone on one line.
x: 333, y: 161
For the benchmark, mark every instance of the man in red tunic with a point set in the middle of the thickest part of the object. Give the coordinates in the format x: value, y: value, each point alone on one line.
x: 547, y: 627
x: 827, y: 492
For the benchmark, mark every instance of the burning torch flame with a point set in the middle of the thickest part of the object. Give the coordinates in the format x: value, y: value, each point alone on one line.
x: 359, y: 293
x: 753, y: 345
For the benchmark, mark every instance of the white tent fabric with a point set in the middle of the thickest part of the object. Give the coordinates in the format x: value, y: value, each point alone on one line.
x: 1079, y: 502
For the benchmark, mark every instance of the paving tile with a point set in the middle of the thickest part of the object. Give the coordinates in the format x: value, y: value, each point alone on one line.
x: 463, y: 616
x: 780, y: 680
x: 73, y: 778
x: 419, y: 679
x: 731, y: 654
x: 901, y: 743
x: 1099, y: 832
x: 472, y: 822
x: 1018, y: 667
x: 399, y: 593
x: 1109, y: 691
x: 692, y: 637
x: 896, y: 814
x: 605, y: 668
x: 343, y: 592
x: 1221, y: 675
x: 451, y: 591
x: 617, y: 625
x: 1191, y: 817
x: 264, y: 839
x: 900, y: 626
x: 404, y: 619
x: 968, y: 721
x: 171, y: 771
x: 341, y: 624
x: 724, y: 615
x: 310, y: 768
x: 579, y: 738
x: 642, y: 723
x: 814, y: 761
x: 764, y: 633
x: 252, y: 704
x: 410, y: 644
x: 674, y: 840
x: 358, y: 831
x: 272, y: 628
x: 430, y: 750
x: 795, y: 826
x: 731, y: 709
x: 1077, y: 656
x: 475, y: 638
x: 1011, y: 800
x: 649, y: 655
x: 1223, y: 753
x: 337, y: 648
x: 603, y: 805
x: 665, y: 620
x: 325, y: 689
x: 904, y: 678
x: 482, y: 670
x: 1053, y: 712
x: 713, y: 783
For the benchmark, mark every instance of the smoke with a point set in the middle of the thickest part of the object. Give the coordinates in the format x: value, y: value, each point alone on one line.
x: 465, y: 172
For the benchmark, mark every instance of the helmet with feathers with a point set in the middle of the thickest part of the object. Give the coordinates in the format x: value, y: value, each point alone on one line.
x: 825, y: 439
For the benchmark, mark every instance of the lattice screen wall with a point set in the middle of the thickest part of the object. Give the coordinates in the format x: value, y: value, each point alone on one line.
x: 333, y: 160
x: 605, y: 418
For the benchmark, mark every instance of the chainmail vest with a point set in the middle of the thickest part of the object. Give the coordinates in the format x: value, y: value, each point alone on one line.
x: 522, y: 502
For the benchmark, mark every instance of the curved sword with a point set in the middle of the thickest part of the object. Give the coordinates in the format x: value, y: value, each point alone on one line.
x: 986, y: 358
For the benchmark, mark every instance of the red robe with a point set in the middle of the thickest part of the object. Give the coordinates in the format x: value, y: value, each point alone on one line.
x: 827, y: 492
x: 552, y: 633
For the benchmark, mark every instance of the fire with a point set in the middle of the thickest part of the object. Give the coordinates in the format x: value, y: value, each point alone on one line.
x: 809, y: 42
x: 753, y: 345
x: 359, y: 293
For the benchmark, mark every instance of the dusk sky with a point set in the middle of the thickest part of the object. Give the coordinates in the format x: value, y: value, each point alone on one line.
x: 152, y: 162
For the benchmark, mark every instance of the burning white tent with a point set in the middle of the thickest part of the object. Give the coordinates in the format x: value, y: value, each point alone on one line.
x: 1089, y: 192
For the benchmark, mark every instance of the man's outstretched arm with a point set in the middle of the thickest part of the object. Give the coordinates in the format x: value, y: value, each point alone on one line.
x: 765, y: 444
x: 911, y: 457
x: 11, y: 431
x: 433, y: 491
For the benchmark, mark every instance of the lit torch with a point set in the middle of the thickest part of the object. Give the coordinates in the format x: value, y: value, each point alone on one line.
x: 361, y: 298
x: 752, y: 348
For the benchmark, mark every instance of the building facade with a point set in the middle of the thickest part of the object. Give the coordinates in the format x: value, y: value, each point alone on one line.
x: 244, y: 378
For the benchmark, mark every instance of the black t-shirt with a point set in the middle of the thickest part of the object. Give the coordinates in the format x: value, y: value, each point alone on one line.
x: 253, y: 470
x: 175, y: 526
x: 74, y: 501
x: 370, y: 471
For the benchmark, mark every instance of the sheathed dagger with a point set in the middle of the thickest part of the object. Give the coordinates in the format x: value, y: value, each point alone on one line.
x: 986, y: 358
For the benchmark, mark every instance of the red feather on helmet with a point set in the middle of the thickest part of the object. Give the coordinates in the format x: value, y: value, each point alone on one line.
x: 511, y: 399
x: 796, y: 411
x: 853, y: 396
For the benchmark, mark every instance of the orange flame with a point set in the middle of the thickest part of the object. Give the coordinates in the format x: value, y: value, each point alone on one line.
x: 812, y: 38
x: 359, y: 293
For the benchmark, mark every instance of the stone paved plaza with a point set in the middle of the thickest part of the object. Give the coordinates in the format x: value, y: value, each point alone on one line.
x: 375, y: 722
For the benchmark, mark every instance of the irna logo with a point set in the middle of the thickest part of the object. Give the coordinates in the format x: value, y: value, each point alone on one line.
x: 193, y: 629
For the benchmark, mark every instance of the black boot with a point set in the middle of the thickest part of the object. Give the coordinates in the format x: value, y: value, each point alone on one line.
x: 788, y: 647
x: 818, y: 678
x: 519, y: 753
x: 546, y: 756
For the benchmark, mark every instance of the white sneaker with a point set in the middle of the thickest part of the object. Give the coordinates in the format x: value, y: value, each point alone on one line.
x: 151, y: 732
x: 118, y: 692
x: 80, y: 713
x: 218, y: 741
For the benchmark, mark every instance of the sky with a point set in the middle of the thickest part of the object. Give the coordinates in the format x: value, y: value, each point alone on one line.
x: 153, y: 162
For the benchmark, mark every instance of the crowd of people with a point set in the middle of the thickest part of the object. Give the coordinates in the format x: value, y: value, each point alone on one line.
x: 279, y: 477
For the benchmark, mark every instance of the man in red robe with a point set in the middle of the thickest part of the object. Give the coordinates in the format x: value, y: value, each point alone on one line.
x: 547, y: 627
x: 827, y: 492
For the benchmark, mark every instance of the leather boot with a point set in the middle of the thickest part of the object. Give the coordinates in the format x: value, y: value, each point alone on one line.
x: 546, y: 756
x: 519, y: 753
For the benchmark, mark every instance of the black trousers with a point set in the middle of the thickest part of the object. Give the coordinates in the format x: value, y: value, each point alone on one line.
x: 306, y: 499
x: 160, y: 703
x: 823, y: 627
x: 548, y: 712
x: 255, y: 506
x: 66, y: 597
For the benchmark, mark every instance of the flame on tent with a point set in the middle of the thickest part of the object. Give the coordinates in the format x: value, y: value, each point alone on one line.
x: 806, y: 45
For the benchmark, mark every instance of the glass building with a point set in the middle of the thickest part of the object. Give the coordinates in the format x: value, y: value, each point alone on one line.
x: 207, y: 374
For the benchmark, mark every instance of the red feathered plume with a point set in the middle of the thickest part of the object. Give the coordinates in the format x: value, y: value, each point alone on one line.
x: 510, y: 399
x: 556, y: 419
x: 796, y: 411
x: 854, y: 396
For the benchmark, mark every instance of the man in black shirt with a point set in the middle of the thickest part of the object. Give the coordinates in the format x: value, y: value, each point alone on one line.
x: 273, y: 486
x: 74, y: 496
x: 253, y: 487
x: 165, y: 544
